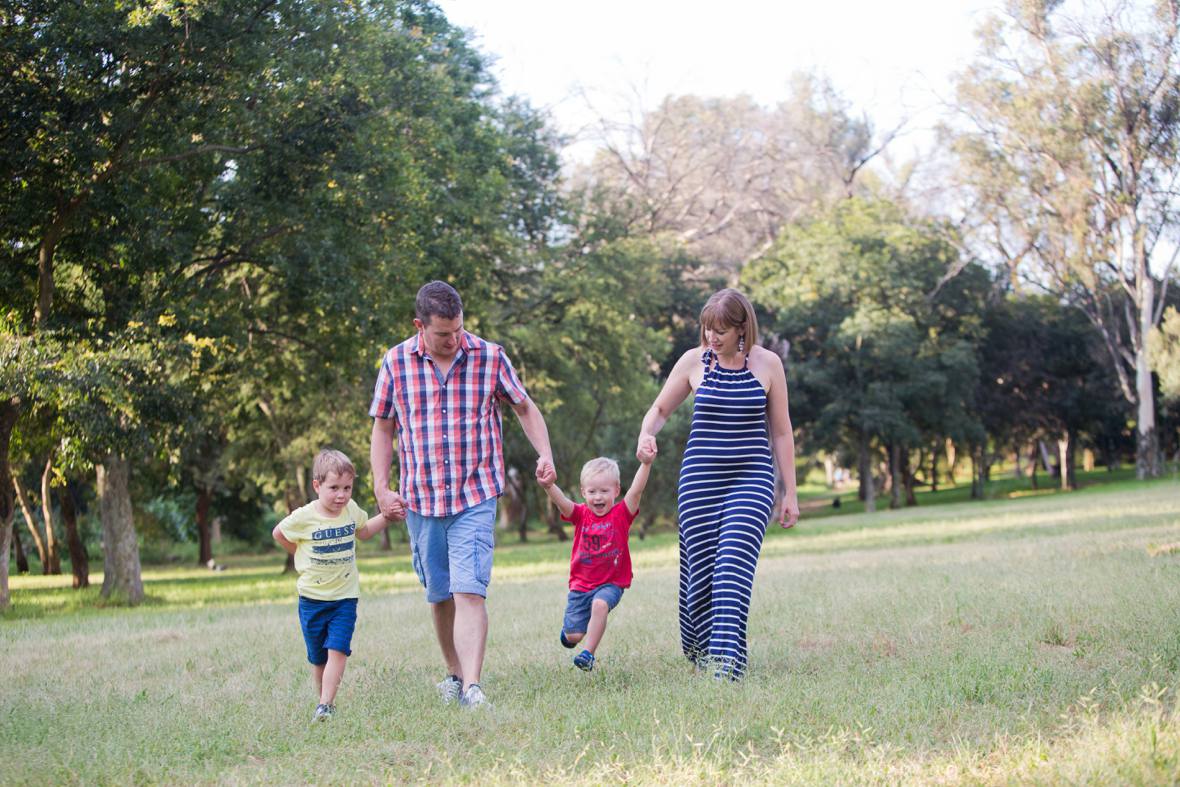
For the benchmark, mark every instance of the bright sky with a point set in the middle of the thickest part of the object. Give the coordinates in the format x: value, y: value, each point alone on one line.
x: 890, y: 59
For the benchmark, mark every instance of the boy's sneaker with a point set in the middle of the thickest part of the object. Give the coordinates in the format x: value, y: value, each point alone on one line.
x: 474, y: 697
x: 584, y: 661
x: 565, y: 643
x: 323, y: 712
x: 449, y: 689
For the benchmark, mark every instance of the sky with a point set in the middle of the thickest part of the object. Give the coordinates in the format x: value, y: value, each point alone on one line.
x: 579, y: 60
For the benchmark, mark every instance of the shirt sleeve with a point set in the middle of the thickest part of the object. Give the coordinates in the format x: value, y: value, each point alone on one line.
x: 624, y: 514
x: 382, y: 406
x: 576, y: 515
x: 292, y: 527
x: 359, y: 515
x: 508, y: 385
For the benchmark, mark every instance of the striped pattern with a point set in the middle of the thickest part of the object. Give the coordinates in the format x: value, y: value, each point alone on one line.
x: 725, y: 498
x: 449, y: 439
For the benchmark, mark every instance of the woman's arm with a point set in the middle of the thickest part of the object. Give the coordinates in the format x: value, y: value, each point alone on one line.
x: 782, y: 438
x: 676, y: 389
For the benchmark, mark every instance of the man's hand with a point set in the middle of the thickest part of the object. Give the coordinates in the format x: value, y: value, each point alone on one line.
x: 392, y: 504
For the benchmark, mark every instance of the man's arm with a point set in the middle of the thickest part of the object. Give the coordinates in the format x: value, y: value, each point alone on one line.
x: 533, y: 424
x: 380, y: 460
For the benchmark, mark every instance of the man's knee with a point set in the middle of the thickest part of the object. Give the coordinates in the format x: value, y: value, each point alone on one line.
x: 468, y: 599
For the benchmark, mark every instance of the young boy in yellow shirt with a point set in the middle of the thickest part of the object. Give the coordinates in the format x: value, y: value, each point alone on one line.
x: 322, y: 537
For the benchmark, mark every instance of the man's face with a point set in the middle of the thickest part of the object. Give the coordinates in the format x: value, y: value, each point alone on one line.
x: 440, y: 336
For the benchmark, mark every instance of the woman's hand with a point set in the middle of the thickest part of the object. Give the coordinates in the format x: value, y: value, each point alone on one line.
x: 788, y: 511
x: 646, y: 449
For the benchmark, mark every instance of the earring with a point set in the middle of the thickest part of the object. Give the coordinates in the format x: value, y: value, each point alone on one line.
x: 741, y: 344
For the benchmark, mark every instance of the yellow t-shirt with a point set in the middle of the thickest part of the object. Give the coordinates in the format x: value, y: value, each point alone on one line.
x: 325, y: 554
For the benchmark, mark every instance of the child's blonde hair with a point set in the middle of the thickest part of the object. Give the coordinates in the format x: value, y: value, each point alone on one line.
x: 331, y: 461
x: 601, y: 465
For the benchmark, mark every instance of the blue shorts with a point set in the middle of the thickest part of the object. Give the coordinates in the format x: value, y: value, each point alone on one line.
x: 577, y: 606
x: 453, y: 554
x: 327, y: 625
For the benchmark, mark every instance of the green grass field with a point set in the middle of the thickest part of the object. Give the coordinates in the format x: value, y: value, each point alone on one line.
x: 1026, y: 640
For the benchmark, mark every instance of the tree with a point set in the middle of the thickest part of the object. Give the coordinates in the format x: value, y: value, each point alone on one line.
x: 1072, y: 151
x: 882, y: 346
x: 723, y: 175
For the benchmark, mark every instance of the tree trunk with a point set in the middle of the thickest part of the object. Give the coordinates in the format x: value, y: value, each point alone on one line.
x: 934, y: 468
x: 1065, y: 455
x: 122, y: 578
x: 18, y: 552
x: 204, y: 536
x: 79, y: 562
x: 51, y: 547
x: 951, y: 457
x: 896, y: 484
x: 9, y: 410
x: 1032, y: 465
x: 27, y: 509
x: 868, y: 489
x: 1045, y: 457
x: 907, y: 478
x: 830, y: 471
x: 1148, y: 461
x: 386, y: 544
x: 1088, y: 459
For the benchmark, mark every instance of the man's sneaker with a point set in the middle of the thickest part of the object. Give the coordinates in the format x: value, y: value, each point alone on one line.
x: 323, y: 712
x: 449, y: 689
x: 474, y: 697
x: 565, y: 643
x: 584, y: 661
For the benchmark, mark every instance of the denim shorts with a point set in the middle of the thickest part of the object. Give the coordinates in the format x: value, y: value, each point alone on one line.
x: 327, y: 625
x: 453, y: 554
x: 577, y: 606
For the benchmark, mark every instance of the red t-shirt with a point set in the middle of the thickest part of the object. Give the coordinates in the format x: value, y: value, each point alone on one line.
x: 599, y: 554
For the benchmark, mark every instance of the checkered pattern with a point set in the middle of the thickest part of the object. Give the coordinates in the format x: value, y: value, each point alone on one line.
x: 449, y: 437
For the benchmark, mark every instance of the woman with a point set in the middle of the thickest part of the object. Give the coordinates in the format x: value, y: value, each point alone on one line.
x: 726, y: 489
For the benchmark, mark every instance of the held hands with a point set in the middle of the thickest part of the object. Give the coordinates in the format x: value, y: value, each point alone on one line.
x: 646, y: 449
x: 546, y: 473
x: 392, y: 504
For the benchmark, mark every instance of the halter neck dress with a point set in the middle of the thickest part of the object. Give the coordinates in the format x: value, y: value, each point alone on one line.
x: 724, y: 501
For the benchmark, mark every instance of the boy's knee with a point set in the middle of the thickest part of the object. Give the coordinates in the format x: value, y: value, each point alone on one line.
x: 598, y: 605
x: 574, y: 637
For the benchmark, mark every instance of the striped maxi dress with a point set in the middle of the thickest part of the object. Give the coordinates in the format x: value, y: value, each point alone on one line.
x: 724, y: 501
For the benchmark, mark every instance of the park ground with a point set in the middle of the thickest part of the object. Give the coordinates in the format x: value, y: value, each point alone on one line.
x: 1034, y: 639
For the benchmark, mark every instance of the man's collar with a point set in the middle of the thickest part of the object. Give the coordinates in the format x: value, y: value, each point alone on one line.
x: 466, y: 345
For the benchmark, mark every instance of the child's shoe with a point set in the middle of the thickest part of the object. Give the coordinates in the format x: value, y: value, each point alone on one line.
x: 565, y: 643
x: 323, y: 712
x: 449, y: 689
x: 584, y: 661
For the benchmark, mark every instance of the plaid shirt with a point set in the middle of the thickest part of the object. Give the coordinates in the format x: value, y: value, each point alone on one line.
x: 449, y: 443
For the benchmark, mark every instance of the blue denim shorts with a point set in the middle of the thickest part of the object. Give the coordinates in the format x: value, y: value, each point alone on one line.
x: 327, y: 625
x: 453, y: 554
x: 577, y: 606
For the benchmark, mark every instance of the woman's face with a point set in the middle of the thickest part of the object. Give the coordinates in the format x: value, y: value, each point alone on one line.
x: 722, y: 339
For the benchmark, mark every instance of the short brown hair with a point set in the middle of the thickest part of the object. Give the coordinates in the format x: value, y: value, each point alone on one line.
x: 437, y: 299
x: 728, y: 308
x: 331, y: 461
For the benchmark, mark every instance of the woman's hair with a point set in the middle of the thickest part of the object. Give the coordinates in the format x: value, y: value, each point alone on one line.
x: 331, y: 461
x: 600, y: 466
x: 728, y: 308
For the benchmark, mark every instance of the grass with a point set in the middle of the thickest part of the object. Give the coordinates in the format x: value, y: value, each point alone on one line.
x: 1027, y: 640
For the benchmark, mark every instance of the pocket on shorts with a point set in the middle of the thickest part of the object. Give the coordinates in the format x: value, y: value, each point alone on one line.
x: 416, y: 562
x: 485, y: 543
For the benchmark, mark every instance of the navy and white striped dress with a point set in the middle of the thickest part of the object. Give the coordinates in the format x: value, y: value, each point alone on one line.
x: 725, y: 497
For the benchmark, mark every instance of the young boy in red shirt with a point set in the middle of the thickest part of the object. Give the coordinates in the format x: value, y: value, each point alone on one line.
x: 600, y: 563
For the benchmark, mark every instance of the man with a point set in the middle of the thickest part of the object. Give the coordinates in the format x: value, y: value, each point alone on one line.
x: 439, y: 390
